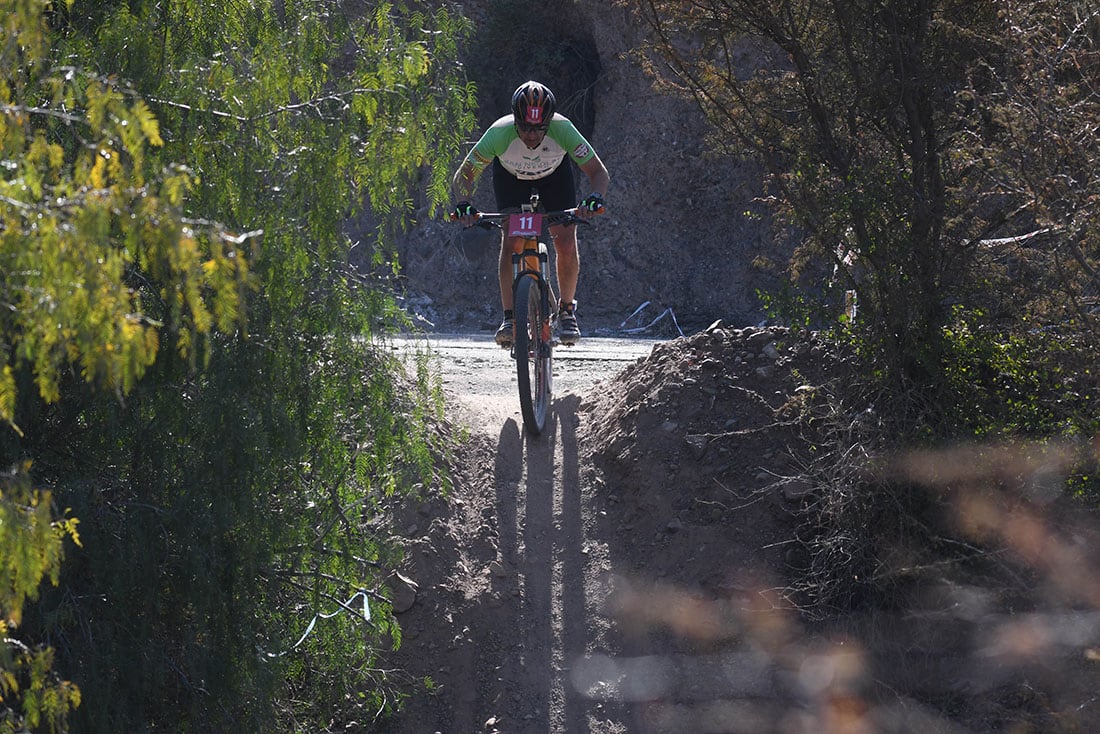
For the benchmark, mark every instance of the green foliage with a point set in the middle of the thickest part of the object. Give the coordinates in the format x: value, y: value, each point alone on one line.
x: 235, y: 485
x: 30, y: 542
x: 1038, y: 383
x: 81, y: 212
x: 789, y: 305
x: 31, y: 694
x: 27, y: 674
x: 257, y: 509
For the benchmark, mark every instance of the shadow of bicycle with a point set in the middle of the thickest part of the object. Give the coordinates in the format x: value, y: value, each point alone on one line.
x: 541, y: 537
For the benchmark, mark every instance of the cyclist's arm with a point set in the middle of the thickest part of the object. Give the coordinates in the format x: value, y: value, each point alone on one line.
x: 582, y: 153
x: 491, y: 144
x: 465, y: 180
x: 598, y: 178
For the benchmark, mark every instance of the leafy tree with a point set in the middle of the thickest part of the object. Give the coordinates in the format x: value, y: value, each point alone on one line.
x: 31, y: 694
x: 234, y: 486
x: 81, y: 214
x: 1031, y: 109
x: 908, y: 133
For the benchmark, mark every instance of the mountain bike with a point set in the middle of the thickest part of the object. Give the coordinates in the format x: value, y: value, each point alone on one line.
x: 534, y: 305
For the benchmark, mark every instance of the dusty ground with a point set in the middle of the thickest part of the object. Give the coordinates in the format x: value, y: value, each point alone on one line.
x: 572, y: 573
x: 629, y: 571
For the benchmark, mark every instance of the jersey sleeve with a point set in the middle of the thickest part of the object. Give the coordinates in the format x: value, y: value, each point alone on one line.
x: 570, y: 139
x: 492, y: 144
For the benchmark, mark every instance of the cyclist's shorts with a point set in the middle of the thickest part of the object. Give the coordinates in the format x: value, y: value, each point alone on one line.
x: 556, y: 191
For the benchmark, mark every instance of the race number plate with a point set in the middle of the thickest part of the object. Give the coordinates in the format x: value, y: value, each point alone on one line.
x: 527, y: 224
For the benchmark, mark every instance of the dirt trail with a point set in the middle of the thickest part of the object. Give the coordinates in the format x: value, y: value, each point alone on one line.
x: 616, y: 574
x: 480, y: 382
x: 511, y: 585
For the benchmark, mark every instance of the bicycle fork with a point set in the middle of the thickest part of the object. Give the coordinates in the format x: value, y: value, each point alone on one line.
x: 532, y: 261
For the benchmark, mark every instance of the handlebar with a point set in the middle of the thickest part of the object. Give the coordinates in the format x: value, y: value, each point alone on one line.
x: 557, y: 217
x: 561, y: 216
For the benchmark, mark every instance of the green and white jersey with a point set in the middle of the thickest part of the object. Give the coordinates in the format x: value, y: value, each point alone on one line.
x: 501, y: 141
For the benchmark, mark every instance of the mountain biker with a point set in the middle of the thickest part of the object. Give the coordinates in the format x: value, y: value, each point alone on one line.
x: 528, y: 149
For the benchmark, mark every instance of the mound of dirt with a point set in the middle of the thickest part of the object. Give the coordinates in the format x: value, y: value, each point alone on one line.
x: 701, y: 456
x: 698, y: 424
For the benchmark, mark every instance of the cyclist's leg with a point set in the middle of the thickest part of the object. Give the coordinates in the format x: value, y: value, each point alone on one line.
x: 568, y: 264
x: 558, y: 191
x: 505, y: 332
x: 511, y: 194
x: 504, y: 270
x: 568, y: 260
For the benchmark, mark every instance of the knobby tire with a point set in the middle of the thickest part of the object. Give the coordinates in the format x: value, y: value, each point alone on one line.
x: 533, y: 354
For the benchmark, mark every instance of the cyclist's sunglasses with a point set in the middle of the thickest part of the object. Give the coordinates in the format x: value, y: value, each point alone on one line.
x: 525, y: 128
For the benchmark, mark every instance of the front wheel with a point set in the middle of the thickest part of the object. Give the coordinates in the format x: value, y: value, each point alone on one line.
x: 533, y: 353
